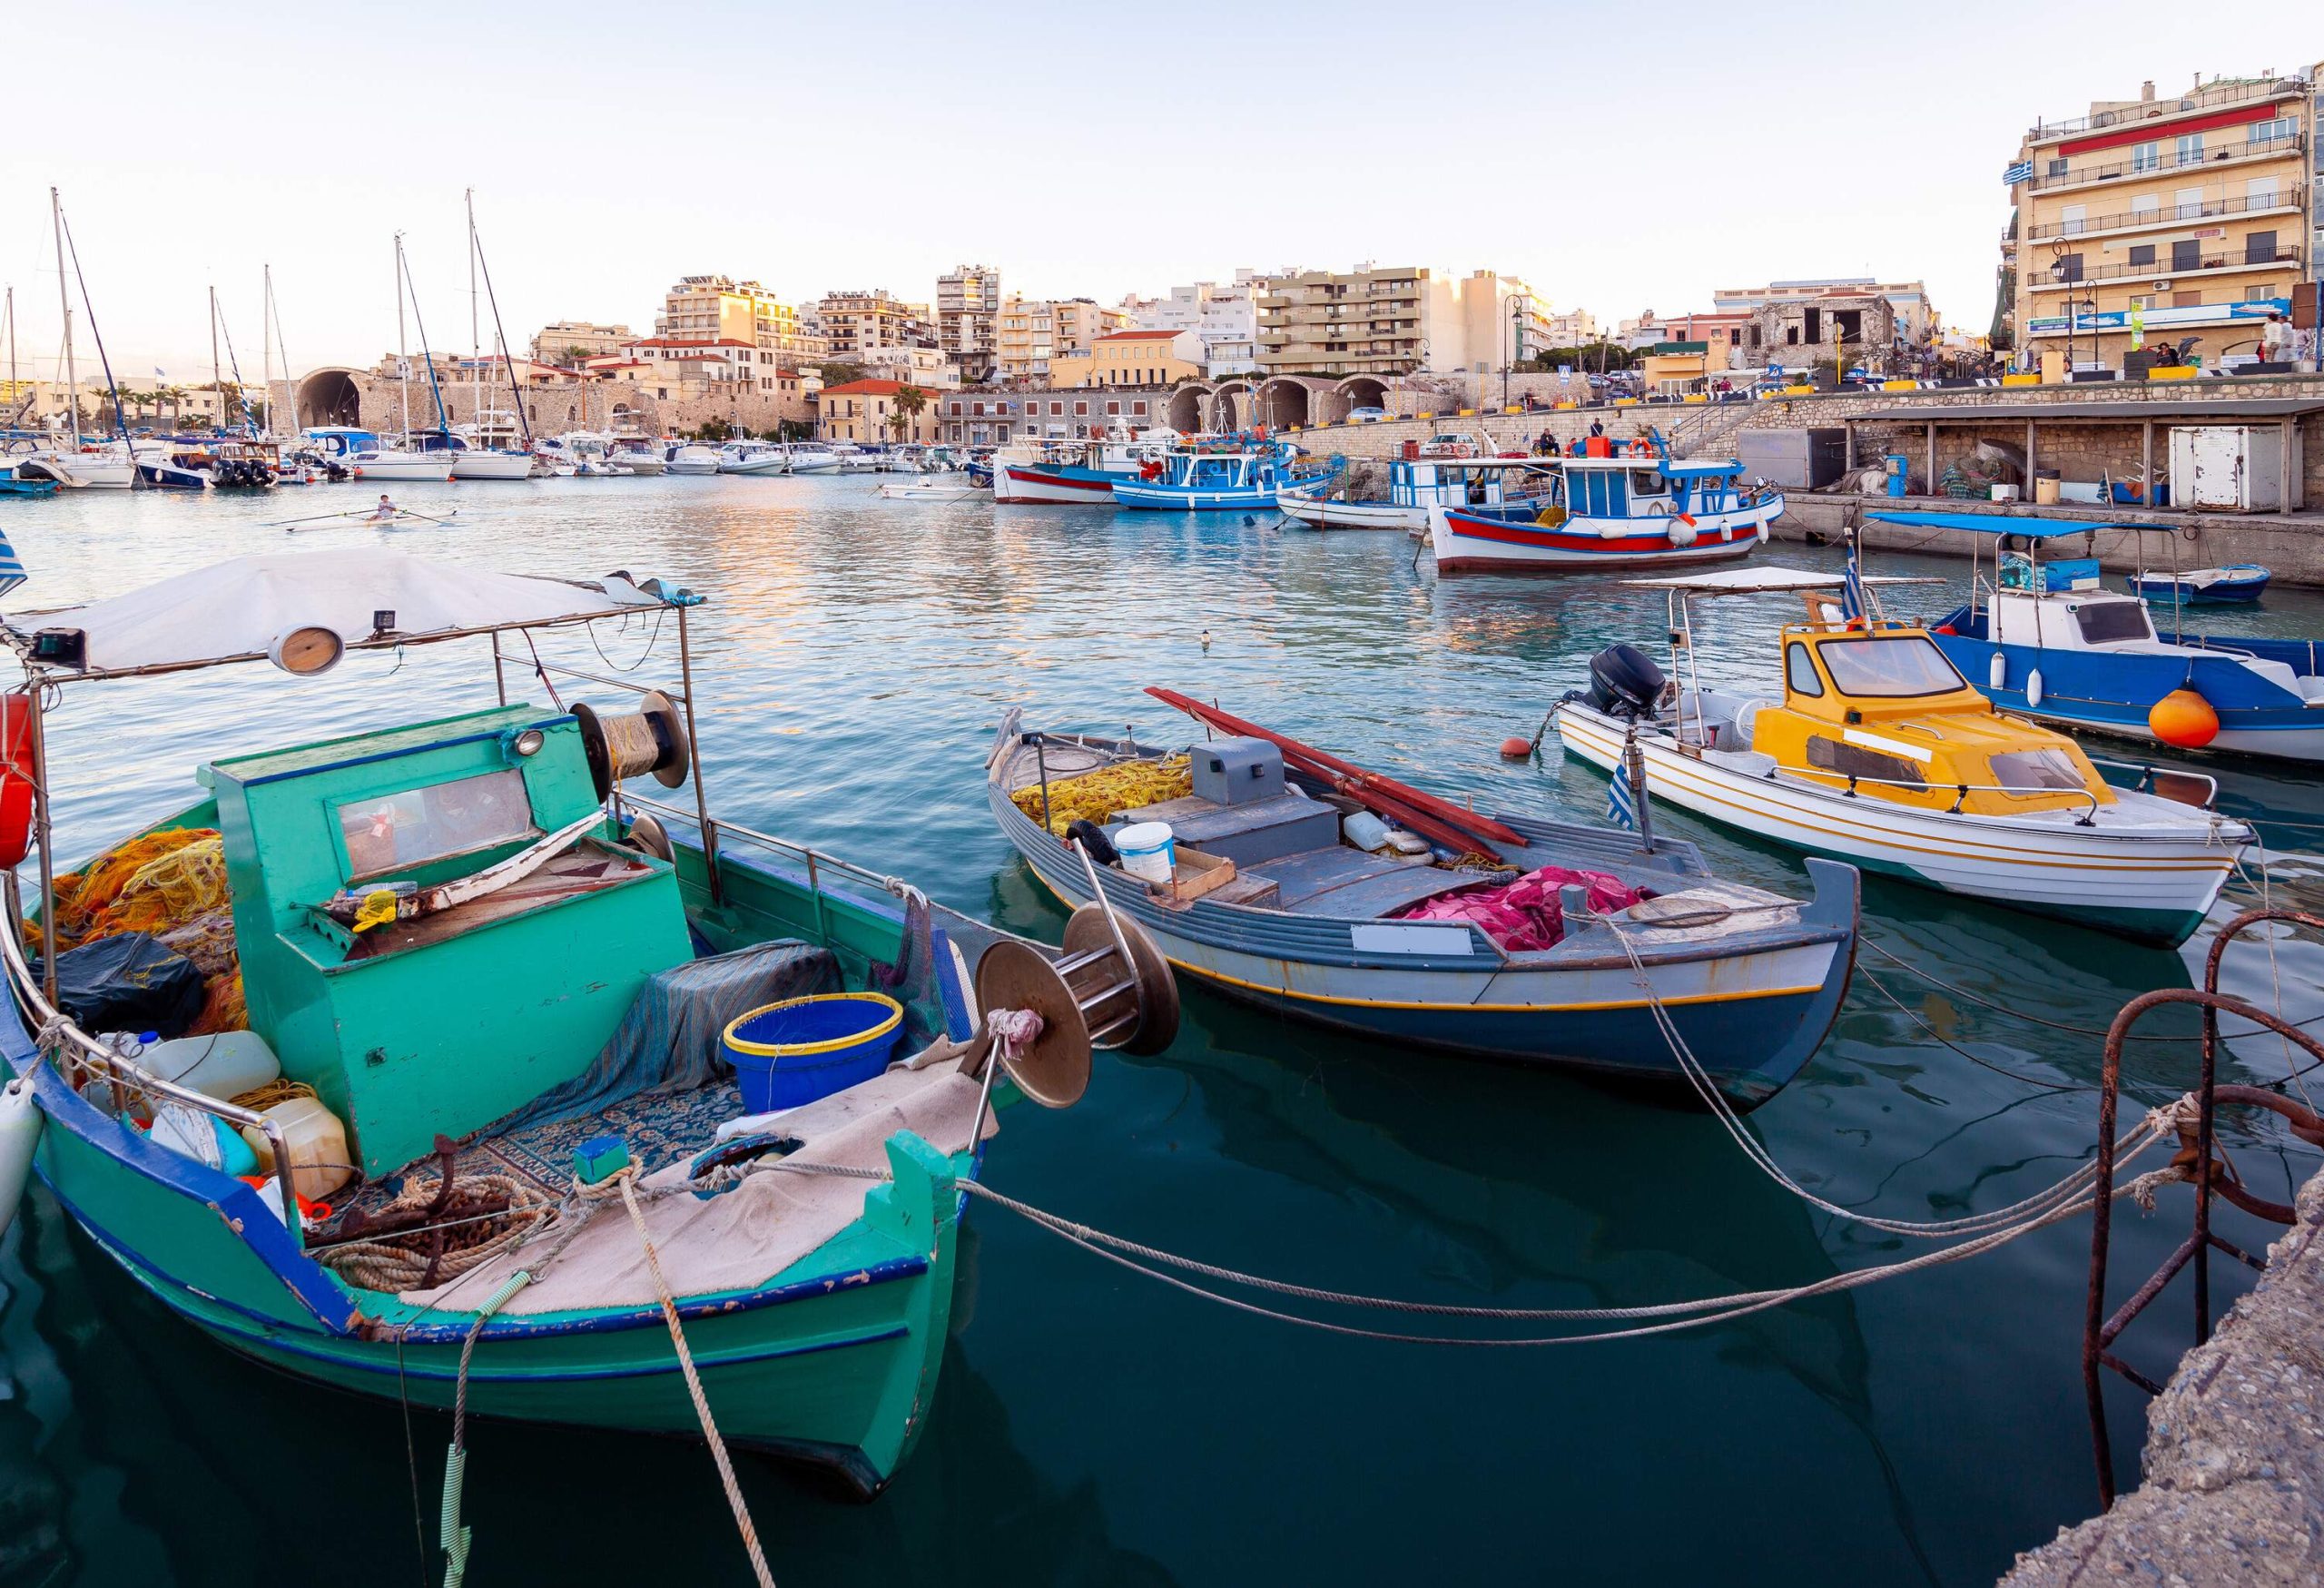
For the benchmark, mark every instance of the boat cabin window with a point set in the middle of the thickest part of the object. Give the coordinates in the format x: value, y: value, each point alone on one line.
x: 1799, y: 671
x: 2103, y: 622
x: 2029, y: 769
x: 1855, y: 761
x: 1906, y: 665
x: 399, y: 832
x: 1646, y: 482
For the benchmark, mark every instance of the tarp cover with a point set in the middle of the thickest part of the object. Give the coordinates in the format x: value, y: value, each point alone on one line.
x: 240, y: 607
x: 670, y: 1040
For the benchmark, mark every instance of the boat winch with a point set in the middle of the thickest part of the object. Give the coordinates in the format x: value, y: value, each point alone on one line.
x: 620, y: 746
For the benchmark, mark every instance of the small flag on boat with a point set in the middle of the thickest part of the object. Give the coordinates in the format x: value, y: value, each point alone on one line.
x: 1852, y: 591
x: 12, y: 567
x: 1621, y: 807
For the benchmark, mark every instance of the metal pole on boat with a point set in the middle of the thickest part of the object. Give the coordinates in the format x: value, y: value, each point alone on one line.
x: 1634, y: 769
x: 40, y: 832
x: 65, y: 297
x: 693, y: 741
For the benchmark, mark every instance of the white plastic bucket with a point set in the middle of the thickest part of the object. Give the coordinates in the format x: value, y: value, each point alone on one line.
x: 1147, y: 851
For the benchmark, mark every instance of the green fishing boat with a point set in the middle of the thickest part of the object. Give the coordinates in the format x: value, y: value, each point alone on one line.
x: 488, y: 1144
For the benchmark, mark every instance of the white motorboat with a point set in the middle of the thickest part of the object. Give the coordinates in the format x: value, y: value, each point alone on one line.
x: 928, y: 488
x: 109, y: 469
x: 856, y: 461
x: 811, y: 457
x: 693, y: 458
x: 393, y: 463
x: 752, y: 457
x: 638, y: 454
x: 482, y: 463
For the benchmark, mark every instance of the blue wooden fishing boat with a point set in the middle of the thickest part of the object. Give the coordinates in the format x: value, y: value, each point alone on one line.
x: 2043, y: 635
x: 1271, y: 901
x: 492, y: 993
x: 2234, y: 584
x: 1205, y: 479
x: 1630, y: 509
x: 12, y: 486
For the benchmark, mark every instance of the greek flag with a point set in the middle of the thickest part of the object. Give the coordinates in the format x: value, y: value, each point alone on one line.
x: 12, y: 567
x: 1621, y: 807
x: 2021, y: 172
x: 1852, y: 591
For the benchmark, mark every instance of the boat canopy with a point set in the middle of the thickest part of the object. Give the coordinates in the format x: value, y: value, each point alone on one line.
x: 235, y: 610
x: 1762, y: 581
x: 2032, y: 525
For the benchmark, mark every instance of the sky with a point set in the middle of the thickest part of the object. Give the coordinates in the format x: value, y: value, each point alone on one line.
x: 1616, y: 160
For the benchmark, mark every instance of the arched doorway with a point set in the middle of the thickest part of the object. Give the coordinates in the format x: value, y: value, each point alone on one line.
x: 1184, y: 412
x: 1230, y: 406
x: 1362, y: 391
x: 329, y: 397
x: 1283, y: 403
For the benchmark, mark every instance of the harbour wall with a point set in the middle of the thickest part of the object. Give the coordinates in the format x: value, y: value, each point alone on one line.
x: 2233, y: 1489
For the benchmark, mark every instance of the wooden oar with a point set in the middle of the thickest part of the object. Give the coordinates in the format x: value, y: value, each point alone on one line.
x: 1351, y: 779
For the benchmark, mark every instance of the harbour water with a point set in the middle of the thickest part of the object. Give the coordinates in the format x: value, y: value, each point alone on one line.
x: 1092, y: 1427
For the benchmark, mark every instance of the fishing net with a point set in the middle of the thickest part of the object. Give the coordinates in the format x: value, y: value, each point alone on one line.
x: 208, y: 940
x: 142, y: 885
x: 1097, y: 795
x: 222, y: 1008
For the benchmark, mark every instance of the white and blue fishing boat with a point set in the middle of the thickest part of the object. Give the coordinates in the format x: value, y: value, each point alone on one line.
x: 1219, y: 481
x: 1272, y: 901
x: 2045, y: 638
x: 2234, y: 584
x: 1417, y: 484
x: 1083, y: 471
x: 1636, y: 509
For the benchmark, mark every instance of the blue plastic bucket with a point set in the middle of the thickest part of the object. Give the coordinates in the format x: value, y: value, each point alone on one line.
x: 793, y: 1052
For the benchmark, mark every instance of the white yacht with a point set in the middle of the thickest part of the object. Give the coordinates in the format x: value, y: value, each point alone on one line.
x: 693, y: 458
x: 103, y: 469
x: 640, y: 455
x: 751, y: 458
x: 811, y: 457
x: 490, y: 448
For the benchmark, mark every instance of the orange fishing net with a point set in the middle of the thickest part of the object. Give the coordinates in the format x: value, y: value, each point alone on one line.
x: 149, y: 884
x: 223, y: 1010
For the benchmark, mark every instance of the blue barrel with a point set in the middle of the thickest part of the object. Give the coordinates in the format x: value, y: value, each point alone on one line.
x: 789, y: 1053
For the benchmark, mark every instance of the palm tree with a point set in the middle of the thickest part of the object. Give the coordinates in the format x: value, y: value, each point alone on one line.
x: 910, y: 403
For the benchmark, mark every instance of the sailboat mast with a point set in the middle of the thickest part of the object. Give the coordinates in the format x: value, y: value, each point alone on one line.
x: 266, y: 345
x: 65, y: 297
x: 289, y: 384
x: 15, y: 399
x: 217, y: 376
x: 476, y: 351
x: 403, y: 357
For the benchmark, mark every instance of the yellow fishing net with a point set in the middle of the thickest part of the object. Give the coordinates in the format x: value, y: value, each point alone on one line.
x: 1098, y: 794
x: 149, y: 884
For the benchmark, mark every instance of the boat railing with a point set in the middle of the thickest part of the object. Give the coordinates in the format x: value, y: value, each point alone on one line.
x: 59, y: 1033
x: 1961, y: 791
x: 2148, y: 772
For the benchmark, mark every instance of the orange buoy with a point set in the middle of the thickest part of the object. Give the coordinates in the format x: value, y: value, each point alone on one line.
x: 2183, y: 718
x: 1516, y: 749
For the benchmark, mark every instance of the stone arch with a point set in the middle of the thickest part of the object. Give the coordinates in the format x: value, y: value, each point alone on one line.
x: 1230, y: 405
x: 330, y: 396
x: 1288, y: 400
x: 1361, y: 392
x: 1184, y: 412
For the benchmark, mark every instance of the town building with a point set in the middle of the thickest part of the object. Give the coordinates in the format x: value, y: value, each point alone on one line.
x: 984, y: 415
x: 1908, y: 301
x: 968, y: 303
x: 1029, y: 333
x: 2181, y: 219
x: 570, y: 343
x: 1131, y: 357
x: 1375, y: 321
x: 706, y: 309
x: 924, y: 367
x: 991, y: 417
x: 855, y: 324
x: 1225, y: 317
x: 1572, y: 329
x: 876, y: 411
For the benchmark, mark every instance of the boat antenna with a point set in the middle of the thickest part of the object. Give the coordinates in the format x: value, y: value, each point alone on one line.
x: 516, y: 394
x: 120, y: 422
x: 443, y: 426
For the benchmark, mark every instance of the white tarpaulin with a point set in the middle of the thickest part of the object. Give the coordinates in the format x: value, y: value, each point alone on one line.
x: 241, y: 608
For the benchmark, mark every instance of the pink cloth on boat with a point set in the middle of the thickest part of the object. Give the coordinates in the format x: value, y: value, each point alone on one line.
x: 1523, y: 915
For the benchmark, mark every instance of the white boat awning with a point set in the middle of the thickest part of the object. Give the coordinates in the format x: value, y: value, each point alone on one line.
x: 239, y: 609
x: 1762, y: 581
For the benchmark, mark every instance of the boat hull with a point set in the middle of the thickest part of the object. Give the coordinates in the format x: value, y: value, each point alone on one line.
x: 484, y: 465
x: 1158, y: 497
x: 1752, y: 1016
x: 402, y: 469
x: 1471, y: 543
x: 1059, y: 483
x: 77, y: 471
x: 769, y: 463
x: 2150, y: 888
x: 1318, y: 513
x: 171, y: 476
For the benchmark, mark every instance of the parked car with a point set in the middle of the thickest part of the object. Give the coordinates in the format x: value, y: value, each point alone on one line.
x: 1367, y: 413
x: 1452, y: 444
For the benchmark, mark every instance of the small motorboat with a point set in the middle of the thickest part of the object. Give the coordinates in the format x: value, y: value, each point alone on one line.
x: 2042, y: 635
x: 1505, y: 937
x: 13, y: 484
x: 1879, y: 752
x: 2232, y: 583
x: 1414, y: 486
x: 694, y: 458
x: 1214, y: 480
x: 928, y: 488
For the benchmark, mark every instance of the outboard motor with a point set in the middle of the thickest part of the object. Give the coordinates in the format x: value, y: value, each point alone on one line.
x: 1624, y: 683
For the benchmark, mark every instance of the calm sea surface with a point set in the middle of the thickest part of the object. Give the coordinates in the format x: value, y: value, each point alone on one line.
x: 1092, y: 1428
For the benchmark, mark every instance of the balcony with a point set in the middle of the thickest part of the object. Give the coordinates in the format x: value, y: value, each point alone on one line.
x: 2137, y: 220
x: 2162, y: 269
x: 2168, y: 161
x: 2160, y: 110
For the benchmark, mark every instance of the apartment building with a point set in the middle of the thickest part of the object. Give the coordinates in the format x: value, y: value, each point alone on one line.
x: 706, y: 309
x: 1915, y: 317
x: 1029, y: 333
x: 1131, y: 357
x: 1224, y: 316
x: 968, y: 303
x: 1394, y: 321
x: 1571, y: 329
x: 572, y: 342
x: 856, y: 324
x: 2162, y: 219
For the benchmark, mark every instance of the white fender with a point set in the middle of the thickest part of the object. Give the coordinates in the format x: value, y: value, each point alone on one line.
x: 20, y: 1124
x: 2033, y: 687
x: 1765, y: 532
x: 1681, y: 533
x: 1997, y: 674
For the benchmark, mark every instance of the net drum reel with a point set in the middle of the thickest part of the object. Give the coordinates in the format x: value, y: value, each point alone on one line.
x: 619, y: 747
